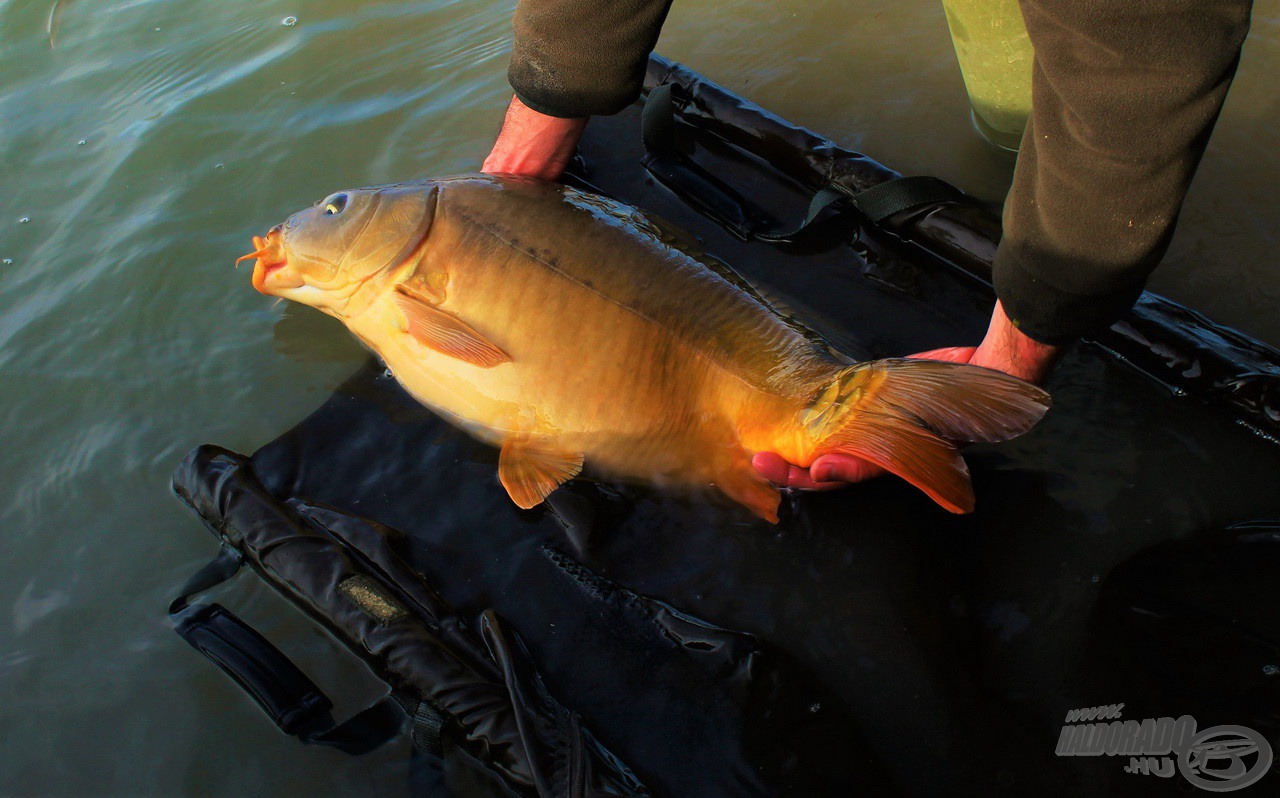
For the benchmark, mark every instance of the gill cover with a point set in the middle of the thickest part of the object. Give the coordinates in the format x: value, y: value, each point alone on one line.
x: 352, y: 235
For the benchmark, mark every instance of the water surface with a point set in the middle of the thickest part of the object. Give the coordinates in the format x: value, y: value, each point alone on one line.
x: 143, y: 142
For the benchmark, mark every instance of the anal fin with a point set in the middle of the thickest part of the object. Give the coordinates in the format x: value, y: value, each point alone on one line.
x: 752, y: 491
x: 446, y: 333
x: 531, y: 470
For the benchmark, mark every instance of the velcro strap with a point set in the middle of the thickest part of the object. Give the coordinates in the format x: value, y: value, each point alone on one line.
x: 428, y: 724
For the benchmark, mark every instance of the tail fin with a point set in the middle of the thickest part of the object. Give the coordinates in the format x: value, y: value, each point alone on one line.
x: 907, y: 415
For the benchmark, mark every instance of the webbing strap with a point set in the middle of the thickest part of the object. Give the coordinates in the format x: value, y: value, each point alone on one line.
x: 658, y: 121
x: 215, y: 572
x: 825, y: 198
x: 428, y: 728
x: 363, y: 731
x: 877, y: 203
x: 904, y: 194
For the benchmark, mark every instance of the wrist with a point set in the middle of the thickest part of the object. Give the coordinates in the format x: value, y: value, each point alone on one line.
x: 533, y: 144
x: 1008, y: 349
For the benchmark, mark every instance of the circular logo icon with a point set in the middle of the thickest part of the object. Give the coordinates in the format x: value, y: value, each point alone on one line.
x: 1225, y: 758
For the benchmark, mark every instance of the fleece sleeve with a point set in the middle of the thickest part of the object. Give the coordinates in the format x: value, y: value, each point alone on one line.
x: 1124, y: 96
x: 575, y: 58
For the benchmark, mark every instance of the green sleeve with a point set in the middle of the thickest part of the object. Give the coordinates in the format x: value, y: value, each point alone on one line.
x: 1124, y: 96
x: 577, y: 58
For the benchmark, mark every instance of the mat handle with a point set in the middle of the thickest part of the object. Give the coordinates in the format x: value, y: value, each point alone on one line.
x: 722, y: 203
x: 705, y: 192
x: 293, y: 702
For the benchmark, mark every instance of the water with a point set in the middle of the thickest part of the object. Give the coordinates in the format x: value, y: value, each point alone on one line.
x: 143, y: 142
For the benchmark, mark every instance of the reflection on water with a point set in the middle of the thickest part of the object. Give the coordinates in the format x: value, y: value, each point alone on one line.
x: 144, y: 141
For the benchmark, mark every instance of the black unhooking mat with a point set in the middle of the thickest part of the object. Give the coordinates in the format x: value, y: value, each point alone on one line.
x: 623, y: 641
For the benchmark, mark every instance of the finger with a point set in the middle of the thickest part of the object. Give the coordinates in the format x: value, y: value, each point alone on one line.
x: 784, y: 474
x: 772, y: 467
x: 951, y: 354
x: 802, y: 479
x: 842, y: 468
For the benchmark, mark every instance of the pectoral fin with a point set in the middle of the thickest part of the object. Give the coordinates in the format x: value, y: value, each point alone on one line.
x: 530, y: 471
x: 446, y: 333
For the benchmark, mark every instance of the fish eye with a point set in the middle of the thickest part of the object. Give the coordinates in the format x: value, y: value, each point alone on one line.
x: 336, y: 205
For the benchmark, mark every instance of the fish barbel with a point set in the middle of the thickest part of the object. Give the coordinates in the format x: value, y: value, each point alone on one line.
x: 565, y: 327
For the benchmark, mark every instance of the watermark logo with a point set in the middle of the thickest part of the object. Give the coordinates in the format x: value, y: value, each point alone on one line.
x: 1217, y: 759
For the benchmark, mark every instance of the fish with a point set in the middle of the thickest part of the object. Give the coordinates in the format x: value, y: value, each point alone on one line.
x: 567, y: 328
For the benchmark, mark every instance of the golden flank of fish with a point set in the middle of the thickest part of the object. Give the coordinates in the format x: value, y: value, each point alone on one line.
x: 565, y: 327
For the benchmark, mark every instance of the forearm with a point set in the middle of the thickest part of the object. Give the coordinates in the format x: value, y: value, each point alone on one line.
x: 578, y: 58
x: 533, y: 144
x: 1125, y: 95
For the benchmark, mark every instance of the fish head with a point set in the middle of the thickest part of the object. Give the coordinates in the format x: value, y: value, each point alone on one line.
x: 324, y: 255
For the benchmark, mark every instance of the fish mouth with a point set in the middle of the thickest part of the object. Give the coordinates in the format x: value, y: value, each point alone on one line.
x: 270, y: 256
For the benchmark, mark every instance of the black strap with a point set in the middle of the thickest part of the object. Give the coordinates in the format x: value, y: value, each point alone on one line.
x: 904, y: 194
x: 428, y: 729
x: 705, y: 192
x: 709, y: 195
x: 363, y: 731
x: 658, y: 121
x: 714, y: 198
x: 825, y: 198
x: 215, y: 572
x: 292, y: 701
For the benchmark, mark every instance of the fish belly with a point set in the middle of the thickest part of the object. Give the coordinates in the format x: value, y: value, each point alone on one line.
x: 634, y: 402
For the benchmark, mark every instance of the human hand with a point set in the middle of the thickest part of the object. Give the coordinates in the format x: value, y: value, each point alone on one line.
x: 532, y: 144
x: 1004, y: 348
